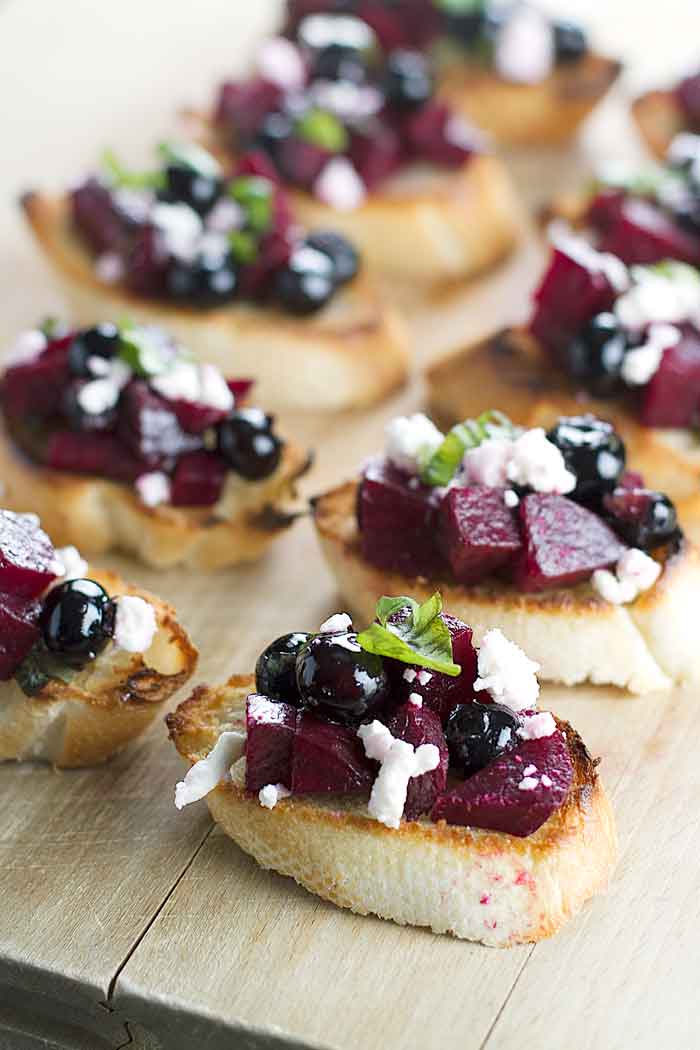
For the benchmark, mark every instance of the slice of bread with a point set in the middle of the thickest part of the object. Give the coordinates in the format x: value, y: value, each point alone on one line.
x: 98, y: 515
x: 509, y: 371
x: 543, y: 114
x: 107, y: 704
x: 573, y: 634
x: 659, y: 118
x: 353, y: 352
x: 478, y: 885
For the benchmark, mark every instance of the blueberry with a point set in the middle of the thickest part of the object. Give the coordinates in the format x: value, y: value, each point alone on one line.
x: 275, y: 671
x: 207, y: 280
x: 407, y: 81
x: 593, y: 451
x: 185, y: 184
x: 570, y: 41
x: 339, y: 679
x: 466, y: 28
x: 307, y: 281
x: 100, y: 341
x: 77, y: 621
x: 641, y: 517
x: 275, y: 129
x: 247, y: 443
x: 477, y: 734
x: 595, y: 355
x: 343, y: 255
x: 340, y: 62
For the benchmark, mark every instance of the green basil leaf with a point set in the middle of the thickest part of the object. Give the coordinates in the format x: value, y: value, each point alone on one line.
x: 443, y: 464
x: 322, y: 129
x: 421, y: 638
x: 142, y: 353
x: 255, y: 195
x: 460, y: 7
x: 133, y: 180
x: 386, y: 607
x: 38, y: 667
x: 190, y: 155
x: 244, y: 246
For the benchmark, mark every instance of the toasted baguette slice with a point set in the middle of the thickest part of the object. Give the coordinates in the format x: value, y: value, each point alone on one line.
x: 354, y: 352
x: 509, y: 371
x: 541, y: 114
x: 106, y: 705
x: 98, y: 515
x: 659, y: 118
x: 573, y: 634
x: 422, y: 874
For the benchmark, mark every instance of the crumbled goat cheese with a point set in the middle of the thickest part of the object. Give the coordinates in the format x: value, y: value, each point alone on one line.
x: 416, y: 699
x: 180, y: 227
x: 411, y: 441
x: 537, y: 726
x: 153, y: 488
x: 339, y: 185
x: 511, y: 499
x: 99, y: 395
x: 109, y: 268
x: 487, y: 464
x: 26, y: 347
x: 346, y: 100
x: 202, y: 384
x: 658, y: 297
x: 409, y: 675
x: 529, y: 770
x: 336, y: 624
x: 204, y: 775
x: 226, y: 215
x: 279, y: 62
x: 642, y: 362
x: 72, y: 565
x: 528, y: 784
x: 134, y: 204
x: 635, y: 573
x: 134, y: 624
x: 583, y: 253
x: 524, y: 51
x: 545, y: 781
x: 504, y: 737
x: 399, y: 762
x: 537, y: 462
x: 506, y: 672
x: 685, y: 149
x: 424, y: 677
x: 271, y: 794
x: 460, y: 132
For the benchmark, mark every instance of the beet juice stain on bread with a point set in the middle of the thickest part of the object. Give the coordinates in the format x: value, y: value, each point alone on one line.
x: 401, y: 772
x: 542, y: 533
x: 521, y: 76
x: 215, y: 254
x: 119, y: 439
x: 86, y: 660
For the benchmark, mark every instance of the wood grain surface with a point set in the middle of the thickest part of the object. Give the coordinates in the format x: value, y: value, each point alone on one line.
x: 125, y: 923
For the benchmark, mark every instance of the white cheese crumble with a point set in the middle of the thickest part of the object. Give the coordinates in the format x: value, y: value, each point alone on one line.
x: 583, y: 253
x: 271, y: 794
x: 487, y: 464
x: 100, y: 395
x: 416, y: 699
x: 409, y: 675
x: 524, y: 51
x: 506, y: 672
x: 657, y: 297
x: 226, y: 215
x: 280, y: 62
x: 180, y: 226
x: 511, y: 499
x: 529, y: 770
x: 411, y: 441
x: 528, y: 784
x: 641, y: 363
x: 424, y: 677
x: 336, y: 624
x: 201, y: 384
x: 346, y: 100
x: 530, y: 459
x: 204, y: 775
x: 109, y: 268
x: 399, y: 762
x: 545, y: 781
x: 134, y: 624
x: 635, y: 573
x: 153, y: 488
x: 26, y: 347
x: 339, y: 185
x: 685, y: 149
x: 72, y: 565
x: 537, y: 726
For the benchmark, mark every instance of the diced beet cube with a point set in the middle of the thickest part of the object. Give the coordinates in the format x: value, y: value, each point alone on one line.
x: 672, y: 396
x: 563, y: 543
x: 420, y: 725
x: 36, y: 387
x: 101, y: 454
x: 256, y: 279
x: 630, y: 479
x: 195, y: 418
x: 428, y: 136
x: 242, y: 106
x: 477, y: 532
x: 397, y: 520
x: 375, y: 151
x: 568, y: 296
x: 27, y: 557
x: 605, y: 209
x: 148, y: 262
x: 149, y: 427
x: 97, y: 218
x: 643, y: 233
x: 19, y: 630
x: 257, y: 162
x: 198, y: 479
x: 301, y: 162
x: 329, y: 758
x: 500, y: 798
x: 688, y: 95
x: 270, y: 729
x: 440, y: 692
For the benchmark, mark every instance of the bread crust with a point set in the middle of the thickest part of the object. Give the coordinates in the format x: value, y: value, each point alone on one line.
x: 659, y: 118
x: 477, y: 885
x: 107, y: 705
x: 99, y: 515
x: 352, y: 353
x: 573, y: 634
x: 543, y: 114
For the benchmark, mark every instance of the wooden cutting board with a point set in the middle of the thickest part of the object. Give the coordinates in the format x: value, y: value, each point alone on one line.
x: 125, y: 923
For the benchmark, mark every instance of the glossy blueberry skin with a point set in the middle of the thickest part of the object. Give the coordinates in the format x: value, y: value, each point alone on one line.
x: 570, y: 41
x: 407, y: 81
x: 643, y: 518
x: 340, y: 62
x: 307, y: 282
x: 595, y: 355
x: 208, y: 280
x: 340, y: 680
x: 593, y: 451
x: 477, y: 734
x: 101, y: 340
x: 248, y: 444
x: 185, y: 185
x: 77, y: 621
x: 275, y: 670
x: 343, y: 254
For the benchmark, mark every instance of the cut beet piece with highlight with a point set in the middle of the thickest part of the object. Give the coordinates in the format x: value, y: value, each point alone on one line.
x: 420, y: 725
x: 428, y: 133
x: 688, y: 95
x: 103, y: 455
x: 643, y: 233
x: 375, y: 151
x: 243, y: 105
x: 440, y: 692
x: 36, y: 387
x: 270, y: 728
x: 477, y: 532
x: 198, y: 479
x: 672, y: 397
x: 605, y: 209
x: 19, y: 630
x: 568, y: 296
x: 329, y: 758
x: 148, y: 426
x: 501, y: 798
x: 27, y: 557
x: 563, y: 543
x: 195, y: 418
x: 97, y: 218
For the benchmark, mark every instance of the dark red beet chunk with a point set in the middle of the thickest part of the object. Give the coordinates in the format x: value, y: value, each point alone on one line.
x: 630, y: 480
x: 270, y: 728
x: 427, y: 134
x: 492, y: 798
x: 568, y: 296
x: 148, y: 262
x: 198, y: 479
x: 605, y: 209
x: 257, y: 162
x: 643, y: 233
x: 195, y: 418
x: 420, y: 725
x: 672, y: 396
x: 563, y: 543
x: 96, y: 217
x: 477, y: 532
x: 397, y: 520
x: 328, y: 757
x: 36, y: 388
x: 376, y: 152
x: 300, y: 162
x: 100, y: 454
x: 26, y: 557
x: 441, y: 692
x: 242, y: 106
x: 19, y: 630
x: 688, y: 95
x: 149, y: 427
x: 240, y: 388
